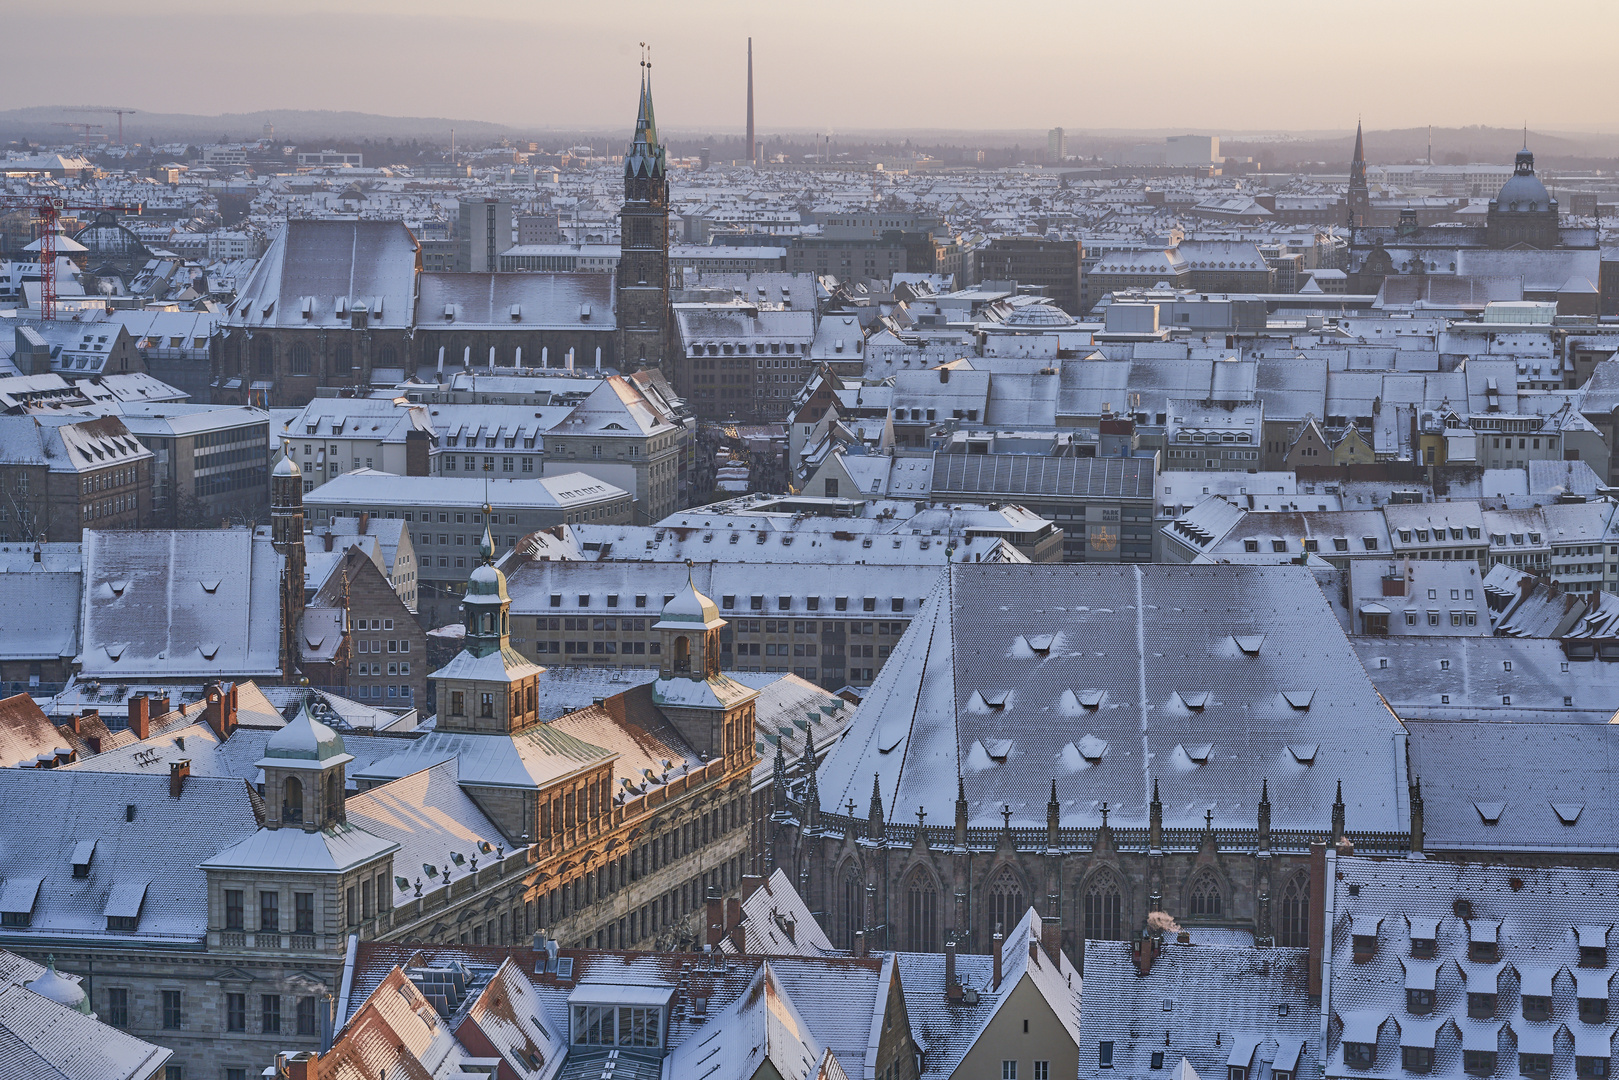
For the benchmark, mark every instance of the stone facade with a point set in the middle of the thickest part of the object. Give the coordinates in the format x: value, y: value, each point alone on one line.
x: 915, y: 886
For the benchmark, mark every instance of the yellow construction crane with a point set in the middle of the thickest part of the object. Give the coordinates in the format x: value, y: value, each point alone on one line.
x: 120, y: 112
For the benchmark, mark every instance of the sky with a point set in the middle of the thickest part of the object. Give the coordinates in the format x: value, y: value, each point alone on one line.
x: 846, y: 65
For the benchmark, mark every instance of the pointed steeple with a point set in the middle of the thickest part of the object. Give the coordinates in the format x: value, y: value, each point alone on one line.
x: 1264, y: 815
x: 812, y: 790
x: 1357, y: 165
x: 874, y: 813
x: 1155, y: 820
x: 646, y: 157
x: 1359, y: 198
x: 1416, y: 815
x: 778, y: 784
x: 1338, y: 814
x: 961, y: 812
x: 1053, y: 818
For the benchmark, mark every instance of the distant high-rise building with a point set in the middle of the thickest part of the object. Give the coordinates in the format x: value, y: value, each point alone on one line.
x: 1056, y: 144
x: 483, y: 231
x: 753, y: 158
x: 642, y: 283
x: 1191, y: 149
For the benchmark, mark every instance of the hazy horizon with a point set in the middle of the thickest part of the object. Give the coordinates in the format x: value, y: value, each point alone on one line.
x: 941, y: 66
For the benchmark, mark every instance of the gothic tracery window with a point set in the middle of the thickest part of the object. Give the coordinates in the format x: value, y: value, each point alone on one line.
x: 1005, y: 901
x: 1206, y: 900
x: 921, y: 913
x: 1293, y: 925
x: 854, y: 902
x: 1103, y: 906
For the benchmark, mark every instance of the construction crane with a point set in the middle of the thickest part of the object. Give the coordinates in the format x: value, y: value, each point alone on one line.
x: 83, y: 129
x: 48, y: 212
x: 120, y: 112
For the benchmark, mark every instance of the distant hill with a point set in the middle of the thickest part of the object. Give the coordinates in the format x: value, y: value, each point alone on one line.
x: 291, y: 125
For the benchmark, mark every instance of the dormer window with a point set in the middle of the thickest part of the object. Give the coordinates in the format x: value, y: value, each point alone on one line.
x: 1478, y: 1062
x: 1480, y: 1006
x: 1417, y: 1059
x: 1359, y: 1055
x: 1535, y: 1066
x: 1536, y: 1007
x: 1423, y: 948
x: 1418, y: 1002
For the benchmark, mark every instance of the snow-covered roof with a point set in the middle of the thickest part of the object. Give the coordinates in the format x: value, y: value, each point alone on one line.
x: 1008, y: 668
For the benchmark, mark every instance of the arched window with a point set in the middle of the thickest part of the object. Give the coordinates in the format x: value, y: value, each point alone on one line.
x: 682, y: 661
x: 1207, y: 902
x: 1005, y: 901
x: 264, y: 357
x: 342, y: 358
x: 1293, y: 925
x: 292, y: 800
x: 854, y: 905
x: 921, y: 913
x: 300, y: 359
x: 385, y: 356
x: 1103, y: 906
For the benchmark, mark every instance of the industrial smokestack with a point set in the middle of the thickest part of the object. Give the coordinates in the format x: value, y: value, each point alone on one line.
x: 752, y: 152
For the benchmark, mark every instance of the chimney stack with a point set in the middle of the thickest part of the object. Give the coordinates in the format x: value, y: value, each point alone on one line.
x: 1146, y: 952
x: 328, y: 538
x: 995, y: 942
x: 715, y: 914
x: 753, y: 154
x: 365, y: 522
x: 178, y: 771
x: 860, y: 943
x: 750, y: 883
x: 1051, y: 938
x: 952, y: 987
x: 140, y: 716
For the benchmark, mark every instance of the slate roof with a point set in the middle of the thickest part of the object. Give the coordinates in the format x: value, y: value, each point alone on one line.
x: 184, y: 603
x: 1516, y: 784
x: 51, y: 811
x: 1194, y: 995
x: 1027, y: 477
x: 327, y: 261
x: 1476, y: 674
x: 1533, y: 914
x: 538, y: 301
x: 1159, y: 666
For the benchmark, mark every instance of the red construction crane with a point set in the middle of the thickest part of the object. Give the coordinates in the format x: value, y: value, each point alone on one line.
x: 48, y: 212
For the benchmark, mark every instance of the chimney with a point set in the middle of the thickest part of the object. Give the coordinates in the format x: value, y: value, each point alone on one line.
x: 1318, y: 914
x: 715, y: 911
x: 1034, y: 952
x: 1146, y: 952
x: 365, y: 522
x: 952, y: 988
x: 73, y: 723
x: 1051, y: 938
x: 860, y: 943
x: 327, y: 537
x: 738, y: 934
x: 140, y: 716
x: 750, y: 882
x: 178, y: 771
x: 418, y: 452
x: 733, y: 914
x: 220, y: 712
x: 995, y: 942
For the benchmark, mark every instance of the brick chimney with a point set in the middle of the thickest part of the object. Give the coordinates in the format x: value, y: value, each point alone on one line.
x: 952, y: 986
x: 750, y: 883
x: 220, y: 712
x: 178, y: 771
x: 860, y: 943
x: 733, y: 913
x: 1318, y: 914
x: 995, y: 943
x: 327, y: 537
x: 365, y: 522
x: 140, y: 716
x: 715, y: 914
x: 1146, y: 952
x: 1051, y: 938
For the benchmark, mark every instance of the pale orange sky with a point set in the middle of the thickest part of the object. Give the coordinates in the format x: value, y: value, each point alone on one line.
x: 1209, y: 65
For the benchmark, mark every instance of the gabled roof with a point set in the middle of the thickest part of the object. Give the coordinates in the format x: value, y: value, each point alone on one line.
x: 1159, y: 642
x: 182, y: 603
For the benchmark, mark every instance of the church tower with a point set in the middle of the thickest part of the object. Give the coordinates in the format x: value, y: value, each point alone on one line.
x: 642, y: 285
x: 1360, y: 200
x: 489, y: 688
x: 287, y: 535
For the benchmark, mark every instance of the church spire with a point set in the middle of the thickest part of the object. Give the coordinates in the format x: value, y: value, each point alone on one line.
x: 1359, y: 198
x: 646, y: 157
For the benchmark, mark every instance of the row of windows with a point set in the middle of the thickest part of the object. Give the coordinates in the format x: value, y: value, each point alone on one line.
x: 470, y: 464
x: 172, y: 1012
x: 375, y: 668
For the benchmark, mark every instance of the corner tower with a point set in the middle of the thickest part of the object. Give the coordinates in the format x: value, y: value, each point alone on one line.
x: 642, y: 282
x: 488, y: 688
x: 712, y: 711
